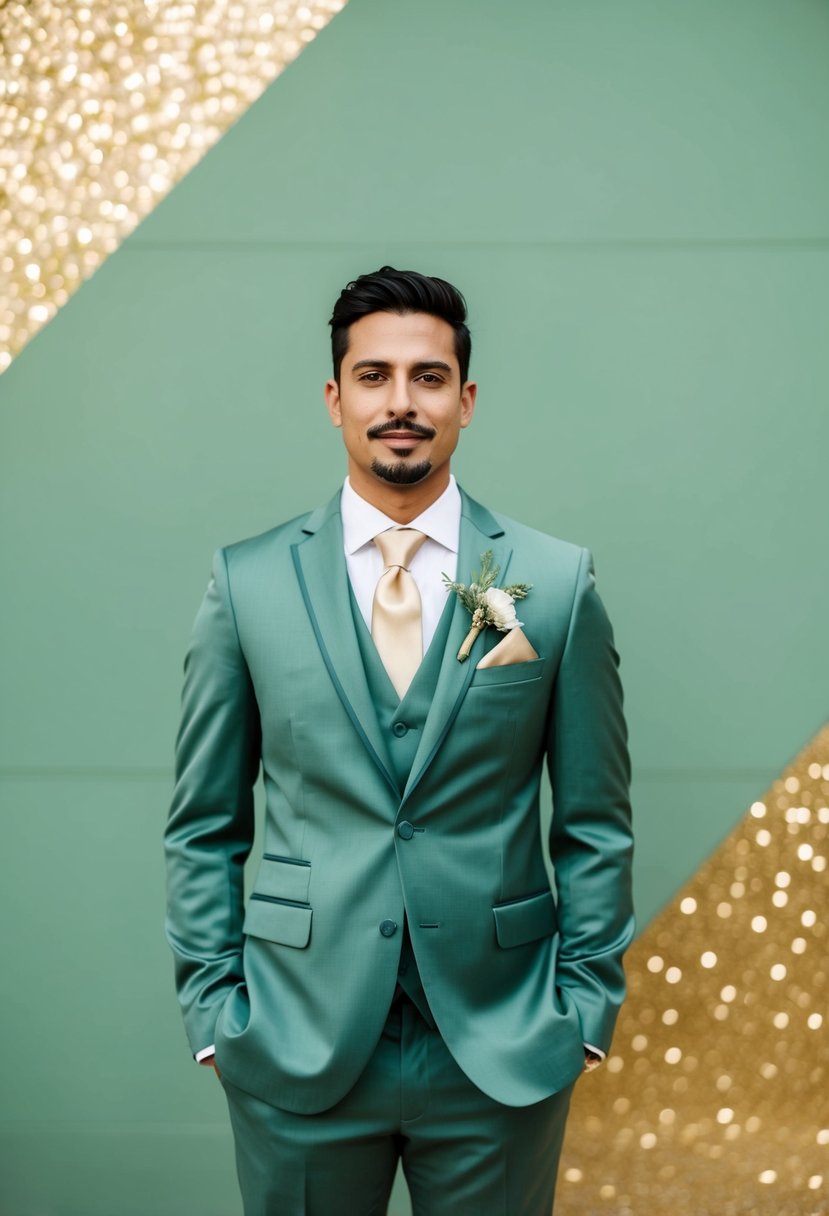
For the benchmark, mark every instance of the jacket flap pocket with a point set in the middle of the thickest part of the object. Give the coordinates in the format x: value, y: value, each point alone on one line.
x: 283, y: 878
x: 288, y: 924
x: 525, y: 920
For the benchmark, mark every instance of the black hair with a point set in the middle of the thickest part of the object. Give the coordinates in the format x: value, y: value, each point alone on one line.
x: 400, y: 291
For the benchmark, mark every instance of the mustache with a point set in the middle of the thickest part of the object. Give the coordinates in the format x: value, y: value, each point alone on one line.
x: 402, y: 424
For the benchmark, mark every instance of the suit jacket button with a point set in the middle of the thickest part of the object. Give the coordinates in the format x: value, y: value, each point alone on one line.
x: 388, y: 927
x: 400, y: 729
x: 405, y: 830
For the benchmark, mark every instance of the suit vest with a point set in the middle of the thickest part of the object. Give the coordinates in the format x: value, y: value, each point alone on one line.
x: 402, y: 725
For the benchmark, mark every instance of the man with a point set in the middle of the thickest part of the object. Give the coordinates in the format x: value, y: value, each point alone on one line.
x: 402, y: 982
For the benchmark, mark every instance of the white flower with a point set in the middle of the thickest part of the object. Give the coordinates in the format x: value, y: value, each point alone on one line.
x: 502, y: 607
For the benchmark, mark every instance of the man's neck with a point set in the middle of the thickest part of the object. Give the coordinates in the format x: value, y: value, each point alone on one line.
x: 400, y: 503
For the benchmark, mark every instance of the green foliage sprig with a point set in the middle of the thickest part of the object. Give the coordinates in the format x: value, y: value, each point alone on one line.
x: 474, y: 598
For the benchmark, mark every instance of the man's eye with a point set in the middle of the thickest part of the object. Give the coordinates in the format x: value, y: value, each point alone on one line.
x: 431, y: 378
x: 372, y: 376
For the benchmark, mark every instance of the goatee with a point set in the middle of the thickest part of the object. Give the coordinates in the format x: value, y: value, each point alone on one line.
x: 401, y: 473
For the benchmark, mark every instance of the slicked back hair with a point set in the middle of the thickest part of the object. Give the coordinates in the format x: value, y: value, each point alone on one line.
x: 400, y: 291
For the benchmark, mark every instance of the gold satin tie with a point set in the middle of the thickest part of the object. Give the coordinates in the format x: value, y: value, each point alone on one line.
x: 396, y: 624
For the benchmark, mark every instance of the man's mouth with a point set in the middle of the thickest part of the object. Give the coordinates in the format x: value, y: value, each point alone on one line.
x: 400, y: 438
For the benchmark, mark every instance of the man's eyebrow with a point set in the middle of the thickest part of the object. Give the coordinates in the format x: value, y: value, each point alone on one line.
x: 423, y: 365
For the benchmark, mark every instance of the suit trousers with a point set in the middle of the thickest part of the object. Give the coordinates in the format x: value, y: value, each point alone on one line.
x: 462, y: 1152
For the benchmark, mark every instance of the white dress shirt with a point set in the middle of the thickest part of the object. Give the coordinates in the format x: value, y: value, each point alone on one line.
x: 438, y: 555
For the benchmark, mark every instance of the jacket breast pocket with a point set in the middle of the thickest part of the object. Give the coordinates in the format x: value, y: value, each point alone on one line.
x: 508, y: 673
x: 525, y: 920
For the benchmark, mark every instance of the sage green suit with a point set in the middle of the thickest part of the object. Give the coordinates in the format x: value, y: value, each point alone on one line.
x: 294, y: 985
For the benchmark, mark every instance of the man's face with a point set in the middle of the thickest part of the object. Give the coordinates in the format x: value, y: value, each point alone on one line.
x: 400, y: 401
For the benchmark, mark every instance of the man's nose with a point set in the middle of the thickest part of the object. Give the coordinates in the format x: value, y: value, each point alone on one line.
x: 400, y: 402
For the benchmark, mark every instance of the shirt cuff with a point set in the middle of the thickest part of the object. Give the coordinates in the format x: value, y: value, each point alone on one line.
x: 205, y: 1052
x: 597, y: 1051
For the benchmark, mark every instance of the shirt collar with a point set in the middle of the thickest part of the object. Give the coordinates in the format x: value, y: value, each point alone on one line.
x: 361, y: 521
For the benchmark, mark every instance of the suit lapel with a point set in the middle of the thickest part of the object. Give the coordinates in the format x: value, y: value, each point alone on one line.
x: 479, y: 531
x: 320, y: 565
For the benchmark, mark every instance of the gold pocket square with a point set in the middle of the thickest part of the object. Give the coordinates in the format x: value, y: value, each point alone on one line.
x: 514, y: 648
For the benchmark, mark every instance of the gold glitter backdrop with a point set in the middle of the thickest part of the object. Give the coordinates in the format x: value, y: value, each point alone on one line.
x: 715, y: 1098
x: 103, y: 108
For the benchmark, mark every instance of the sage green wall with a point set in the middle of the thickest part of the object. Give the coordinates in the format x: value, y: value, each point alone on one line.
x: 634, y: 198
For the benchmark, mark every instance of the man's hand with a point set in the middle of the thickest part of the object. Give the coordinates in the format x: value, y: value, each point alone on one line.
x: 591, y: 1061
x: 210, y: 1061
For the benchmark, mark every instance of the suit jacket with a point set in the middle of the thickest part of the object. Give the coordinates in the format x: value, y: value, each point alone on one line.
x: 294, y: 984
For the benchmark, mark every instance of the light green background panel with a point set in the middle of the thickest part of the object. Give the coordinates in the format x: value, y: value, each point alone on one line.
x: 544, y: 121
x: 634, y: 199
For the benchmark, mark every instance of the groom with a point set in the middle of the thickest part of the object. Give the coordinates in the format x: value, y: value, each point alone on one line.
x: 401, y: 981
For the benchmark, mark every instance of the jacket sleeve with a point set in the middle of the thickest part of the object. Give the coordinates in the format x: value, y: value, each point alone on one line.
x: 591, y: 843
x: 211, y: 821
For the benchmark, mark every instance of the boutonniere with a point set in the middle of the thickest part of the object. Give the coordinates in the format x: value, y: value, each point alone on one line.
x: 488, y: 604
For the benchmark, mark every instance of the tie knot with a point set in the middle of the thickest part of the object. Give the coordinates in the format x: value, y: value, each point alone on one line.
x: 399, y: 545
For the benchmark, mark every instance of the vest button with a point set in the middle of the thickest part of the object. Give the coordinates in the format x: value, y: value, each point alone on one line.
x: 405, y: 830
x: 388, y: 927
x: 400, y: 729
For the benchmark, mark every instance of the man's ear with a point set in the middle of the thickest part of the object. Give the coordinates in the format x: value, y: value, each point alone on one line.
x: 331, y: 393
x: 469, y: 393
